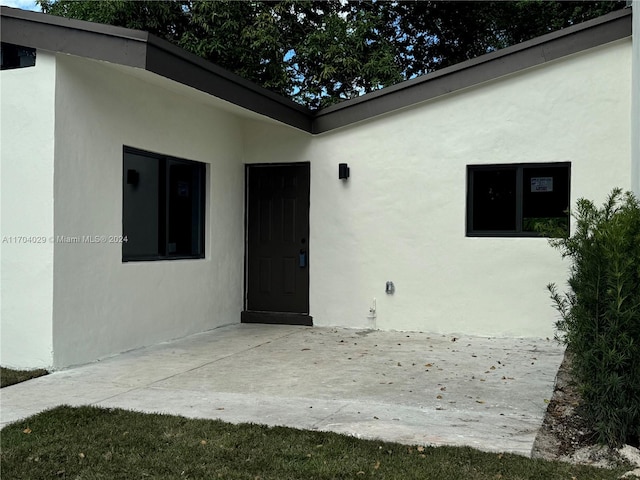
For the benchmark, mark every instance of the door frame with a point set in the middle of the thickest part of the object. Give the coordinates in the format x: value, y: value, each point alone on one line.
x: 286, y: 318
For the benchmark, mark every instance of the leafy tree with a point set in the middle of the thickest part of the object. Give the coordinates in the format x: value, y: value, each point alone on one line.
x: 319, y: 53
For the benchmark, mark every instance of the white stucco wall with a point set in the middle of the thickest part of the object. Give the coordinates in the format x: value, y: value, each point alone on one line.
x: 26, y: 150
x: 103, y: 306
x: 401, y: 215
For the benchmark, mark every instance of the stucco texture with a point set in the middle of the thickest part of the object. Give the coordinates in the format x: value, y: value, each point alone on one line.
x: 401, y: 215
x: 102, y: 305
x: 26, y: 252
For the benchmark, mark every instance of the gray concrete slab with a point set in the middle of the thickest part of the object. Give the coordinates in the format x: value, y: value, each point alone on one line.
x: 414, y: 388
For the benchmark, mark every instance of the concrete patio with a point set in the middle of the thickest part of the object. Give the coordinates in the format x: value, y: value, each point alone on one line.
x: 414, y: 388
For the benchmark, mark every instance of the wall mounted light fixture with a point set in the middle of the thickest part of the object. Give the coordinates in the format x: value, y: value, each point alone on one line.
x: 343, y: 171
x: 133, y: 177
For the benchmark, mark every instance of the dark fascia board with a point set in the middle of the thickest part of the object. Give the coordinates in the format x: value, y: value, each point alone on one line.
x: 140, y: 49
x: 599, y: 31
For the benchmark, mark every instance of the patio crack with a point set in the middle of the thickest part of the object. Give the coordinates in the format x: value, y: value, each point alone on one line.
x: 223, y: 357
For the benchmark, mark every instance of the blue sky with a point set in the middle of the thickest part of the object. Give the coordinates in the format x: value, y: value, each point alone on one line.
x: 23, y: 4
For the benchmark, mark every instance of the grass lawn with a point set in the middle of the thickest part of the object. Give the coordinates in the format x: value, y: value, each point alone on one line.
x: 93, y: 443
x: 9, y: 376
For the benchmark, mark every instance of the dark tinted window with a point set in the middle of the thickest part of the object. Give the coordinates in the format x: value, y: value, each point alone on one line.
x: 163, y: 207
x: 505, y: 200
x: 16, y: 56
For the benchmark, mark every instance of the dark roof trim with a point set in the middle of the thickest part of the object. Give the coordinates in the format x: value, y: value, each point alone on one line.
x: 605, y: 29
x: 139, y: 49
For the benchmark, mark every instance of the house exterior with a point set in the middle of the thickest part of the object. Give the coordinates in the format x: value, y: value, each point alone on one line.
x: 148, y: 195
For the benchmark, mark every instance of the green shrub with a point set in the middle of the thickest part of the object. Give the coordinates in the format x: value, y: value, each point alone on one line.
x: 600, y: 315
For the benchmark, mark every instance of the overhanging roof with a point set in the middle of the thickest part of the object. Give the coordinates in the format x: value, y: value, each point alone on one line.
x: 142, y: 50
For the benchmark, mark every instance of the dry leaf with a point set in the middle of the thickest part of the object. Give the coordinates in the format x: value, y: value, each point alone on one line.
x: 492, y: 367
x: 442, y: 389
x: 439, y: 397
x: 203, y: 442
x: 479, y: 401
x: 428, y: 364
x: 377, y: 465
x: 81, y: 455
x: 26, y: 430
x: 420, y: 448
x: 360, y: 473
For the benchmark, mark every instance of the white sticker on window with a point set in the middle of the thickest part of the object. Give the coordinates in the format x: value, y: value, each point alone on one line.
x: 542, y: 184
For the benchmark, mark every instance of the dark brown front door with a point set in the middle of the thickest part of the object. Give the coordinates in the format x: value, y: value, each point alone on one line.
x: 277, y: 248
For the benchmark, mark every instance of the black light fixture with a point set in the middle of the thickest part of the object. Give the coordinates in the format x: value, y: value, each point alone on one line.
x: 343, y: 171
x: 133, y: 177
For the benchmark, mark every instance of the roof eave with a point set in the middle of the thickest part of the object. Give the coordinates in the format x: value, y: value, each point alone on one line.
x: 140, y: 49
x: 546, y: 48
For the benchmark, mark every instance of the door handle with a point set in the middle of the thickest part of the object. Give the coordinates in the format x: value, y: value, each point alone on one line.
x: 302, y: 259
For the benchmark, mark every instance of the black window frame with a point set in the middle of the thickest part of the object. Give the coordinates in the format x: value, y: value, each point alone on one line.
x: 164, y: 206
x: 14, y: 56
x: 519, y: 169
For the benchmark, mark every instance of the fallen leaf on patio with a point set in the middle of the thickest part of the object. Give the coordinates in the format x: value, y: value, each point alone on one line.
x: 305, y: 349
x: 442, y: 389
x: 26, y: 430
x: 439, y: 397
x: 479, y: 401
x: 428, y: 364
x: 492, y: 367
x: 220, y: 408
